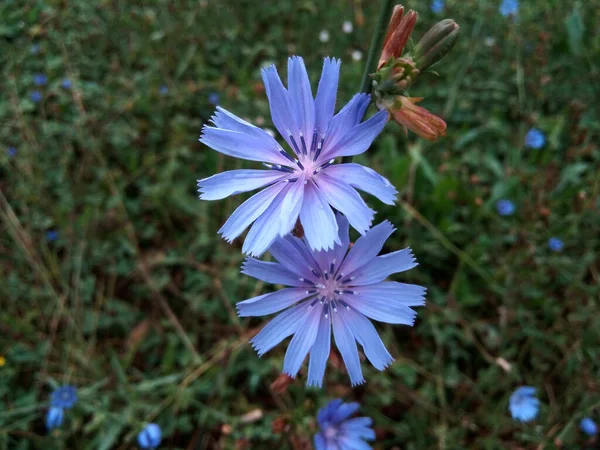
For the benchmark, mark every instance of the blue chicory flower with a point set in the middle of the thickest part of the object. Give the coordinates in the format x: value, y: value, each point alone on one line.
x: 213, y: 98
x: 505, y: 207
x: 39, y: 79
x: 35, y: 49
x: 150, y: 436
x: 54, y: 417
x: 51, y: 235
x: 308, y: 185
x: 338, y: 431
x: 535, y: 139
x: 35, y: 96
x: 64, y: 397
x: 163, y: 89
x: 437, y: 6
x: 509, y: 7
x: 588, y: 426
x: 66, y: 83
x: 523, y: 404
x: 12, y: 151
x: 555, y: 244
x: 332, y: 289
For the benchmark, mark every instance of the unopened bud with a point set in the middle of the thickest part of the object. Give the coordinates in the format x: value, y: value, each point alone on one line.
x: 415, y: 118
x: 436, y: 43
x: 398, y: 33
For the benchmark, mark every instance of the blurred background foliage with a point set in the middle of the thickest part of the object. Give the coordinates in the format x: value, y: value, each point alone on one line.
x: 113, y: 277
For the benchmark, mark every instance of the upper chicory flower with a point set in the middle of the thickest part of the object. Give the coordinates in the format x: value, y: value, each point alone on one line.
x: 66, y: 83
x: 338, y: 289
x: 555, y: 244
x: 338, y: 431
x: 523, y: 404
x: 39, y: 79
x: 588, y: 426
x: 505, y: 207
x: 509, y: 7
x: 64, y: 397
x: 308, y: 184
x: 35, y: 96
x: 150, y: 436
x: 437, y: 6
x: 535, y: 139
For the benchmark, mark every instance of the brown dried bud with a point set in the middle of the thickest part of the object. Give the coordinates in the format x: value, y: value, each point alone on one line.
x: 417, y: 119
x: 398, y: 33
x: 280, y: 385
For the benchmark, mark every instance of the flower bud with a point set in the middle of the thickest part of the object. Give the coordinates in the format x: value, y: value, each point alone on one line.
x: 398, y: 33
x: 436, y: 43
x: 417, y: 119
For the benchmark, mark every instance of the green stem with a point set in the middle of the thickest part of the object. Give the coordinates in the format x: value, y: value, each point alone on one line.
x: 374, y: 51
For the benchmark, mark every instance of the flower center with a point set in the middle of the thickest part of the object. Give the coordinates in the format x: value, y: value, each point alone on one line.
x: 329, y: 287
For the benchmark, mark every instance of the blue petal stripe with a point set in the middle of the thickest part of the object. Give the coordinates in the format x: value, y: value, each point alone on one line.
x: 282, y: 326
x: 343, y: 122
x: 301, y: 99
x: 270, y: 272
x: 383, y: 266
x: 393, y: 292
x: 346, y: 200
x: 233, y: 182
x: 291, y: 206
x: 381, y: 310
x: 288, y: 252
x: 359, y: 138
x: 279, y: 103
x: 365, y: 179
x: 302, y: 341
x: 270, y: 303
x: 249, y: 211
x: 344, y: 340
x: 326, y: 94
x: 319, y: 353
x: 318, y: 220
x: 367, y: 336
x: 367, y: 247
x: 344, y: 411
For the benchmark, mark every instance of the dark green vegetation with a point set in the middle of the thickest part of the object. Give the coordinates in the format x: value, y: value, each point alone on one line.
x: 134, y: 303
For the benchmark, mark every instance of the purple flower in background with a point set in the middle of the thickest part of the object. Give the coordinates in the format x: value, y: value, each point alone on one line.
x: 213, y: 98
x: 509, y: 8
x: 54, y: 418
x: 523, y: 404
x: 64, y: 397
x: 35, y: 96
x: 555, y: 244
x: 39, y: 79
x: 163, y: 89
x: 12, y: 151
x: 588, y: 426
x: 338, y: 289
x: 338, y: 431
x: 51, y: 235
x: 150, y: 436
x: 307, y: 185
x: 66, y: 83
x: 535, y: 139
x: 35, y: 49
x: 437, y: 6
x: 505, y: 207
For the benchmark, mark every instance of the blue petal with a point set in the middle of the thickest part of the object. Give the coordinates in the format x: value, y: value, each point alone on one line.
x: 358, y: 427
x: 339, y: 251
x: 326, y: 94
x: 279, y: 103
x: 301, y: 99
x: 325, y: 413
x: 381, y: 267
x: 320, y: 443
x: 282, y: 326
x: 367, y: 337
x: 271, y: 272
x: 291, y: 252
x: 318, y: 220
x: 270, y: 303
x: 54, y: 418
x: 249, y: 211
x: 392, y: 293
x: 242, y: 145
x: 344, y: 121
x: 365, y: 179
x: 380, y: 309
x: 291, y: 206
x: 359, y: 138
x: 367, y: 247
x: 346, y: 200
x: 349, y: 443
x: 319, y: 353
x: 344, y: 411
x: 228, y: 121
x: 302, y: 341
x: 344, y: 340
x: 233, y: 182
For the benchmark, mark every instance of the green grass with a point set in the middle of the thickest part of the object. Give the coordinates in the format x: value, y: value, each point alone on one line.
x: 134, y: 303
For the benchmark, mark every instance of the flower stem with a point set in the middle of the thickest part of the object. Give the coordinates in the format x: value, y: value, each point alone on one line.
x: 374, y: 51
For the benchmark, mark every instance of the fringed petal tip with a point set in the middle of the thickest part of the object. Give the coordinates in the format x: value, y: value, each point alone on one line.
x: 357, y: 382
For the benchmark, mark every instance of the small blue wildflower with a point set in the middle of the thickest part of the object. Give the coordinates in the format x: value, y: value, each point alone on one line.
x: 54, y: 417
x: 338, y: 431
x: 505, y: 207
x: 51, y: 235
x: 509, y: 7
x: 337, y: 289
x: 150, y: 436
x: 66, y: 83
x: 535, y: 139
x: 35, y: 96
x: 437, y: 6
x: 39, y: 79
x: 304, y: 186
x: 35, y: 49
x: 213, y: 98
x: 64, y: 397
x: 163, y: 89
x: 588, y: 426
x: 523, y: 404
x: 555, y: 244
x: 12, y: 151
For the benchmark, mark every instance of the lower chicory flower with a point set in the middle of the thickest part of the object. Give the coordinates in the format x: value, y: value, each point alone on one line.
x: 338, y: 431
